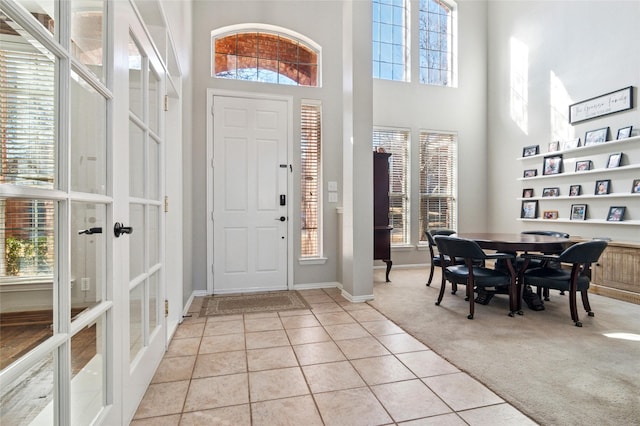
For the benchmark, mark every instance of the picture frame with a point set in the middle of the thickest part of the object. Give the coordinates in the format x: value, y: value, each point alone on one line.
x: 527, y: 193
x: 552, y: 164
x: 593, y: 137
x: 578, y: 212
x: 616, y: 214
x: 550, y: 214
x: 602, y: 186
x: 583, y: 165
x: 529, y: 151
x: 554, y: 146
x: 530, y: 173
x: 551, y: 192
x: 571, y: 144
x: 575, y: 190
x: 614, y: 160
x: 609, y: 103
x: 635, y: 186
x: 529, y: 209
x: 624, y: 132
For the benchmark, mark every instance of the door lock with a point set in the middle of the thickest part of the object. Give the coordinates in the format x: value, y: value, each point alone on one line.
x: 119, y: 229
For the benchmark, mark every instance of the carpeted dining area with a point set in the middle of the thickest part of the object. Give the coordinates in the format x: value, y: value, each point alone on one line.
x: 552, y: 371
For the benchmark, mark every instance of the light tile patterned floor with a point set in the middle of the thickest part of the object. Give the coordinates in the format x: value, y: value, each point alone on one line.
x: 339, y: 363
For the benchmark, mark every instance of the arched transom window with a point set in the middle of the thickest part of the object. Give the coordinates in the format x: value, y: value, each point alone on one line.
x: 265, y: 56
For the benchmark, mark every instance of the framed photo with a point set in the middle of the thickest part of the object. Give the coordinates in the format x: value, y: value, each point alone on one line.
x: 570, y: 144
x: 528, y: 151
x: 602, y: 186
x: 593, y: 137
x: 550, y: 214
x: 530, y: 173
x: 529, y: 209
x: 614, y: 160
x: 609, y: 103
x: 554, y: 146
x: 583, y: 165
x: 575, y: 190
x: 624, y: 133
x: 635, y: 188
x: 616, y: 214
x: 551, y: 192
x: 527, y: 193
x: 578, y: 212
x: 552, y: 164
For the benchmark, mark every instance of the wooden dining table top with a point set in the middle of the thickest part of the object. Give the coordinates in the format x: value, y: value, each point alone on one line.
x: 516, y: 242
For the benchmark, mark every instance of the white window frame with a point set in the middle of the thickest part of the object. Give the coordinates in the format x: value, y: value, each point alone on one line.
x: 451, y: 51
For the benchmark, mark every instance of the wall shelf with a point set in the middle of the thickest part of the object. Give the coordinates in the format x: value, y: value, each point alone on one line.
x: 612, y: 146
x: 583, y: 222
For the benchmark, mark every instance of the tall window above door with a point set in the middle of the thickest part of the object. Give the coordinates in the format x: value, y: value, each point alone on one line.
x: 390, y: 39
x: 265, y: 55
x: 438, y: 60
x: 396, y: 142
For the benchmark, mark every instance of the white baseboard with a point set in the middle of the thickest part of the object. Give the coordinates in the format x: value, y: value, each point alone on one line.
x: 311, y: 286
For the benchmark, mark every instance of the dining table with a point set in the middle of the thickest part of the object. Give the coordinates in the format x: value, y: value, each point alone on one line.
x: 517, y: 243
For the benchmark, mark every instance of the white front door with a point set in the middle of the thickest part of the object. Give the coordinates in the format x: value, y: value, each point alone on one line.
x: 250, y: 194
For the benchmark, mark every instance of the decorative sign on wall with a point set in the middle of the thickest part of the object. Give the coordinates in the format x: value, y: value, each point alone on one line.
x: 620, y: 100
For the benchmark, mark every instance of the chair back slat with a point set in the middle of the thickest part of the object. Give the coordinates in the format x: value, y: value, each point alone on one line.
x: 459, y: 247
x: 585, y: 252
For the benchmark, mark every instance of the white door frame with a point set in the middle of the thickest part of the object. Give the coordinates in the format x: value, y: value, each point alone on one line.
x: 211, y: 93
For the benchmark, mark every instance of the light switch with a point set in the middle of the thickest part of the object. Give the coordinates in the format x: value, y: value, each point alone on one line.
x: 333, y: 197
x: 332, y: 186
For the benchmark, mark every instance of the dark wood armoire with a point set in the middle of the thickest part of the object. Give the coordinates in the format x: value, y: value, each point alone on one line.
x: 381, y: 227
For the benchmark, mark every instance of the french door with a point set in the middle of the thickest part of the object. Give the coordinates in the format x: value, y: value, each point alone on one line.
x: 81, y: 148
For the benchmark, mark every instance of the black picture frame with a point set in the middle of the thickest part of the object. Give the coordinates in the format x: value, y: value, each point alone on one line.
x: 616, y: 214
x: 552, y: 164
x: 602, y: 187
x: 551, y: 192
x: 575, y: 190
x: 614, y: 160
x: 597, y: 136
x: 624, y: 132
x: 527, y: 193
x: 635, y: 186
x: 530, y: 173
x: 529, y: 151
x: 583, y: 165
x: 529, y: 209
x: 609, y: 103
x: 578, y: 212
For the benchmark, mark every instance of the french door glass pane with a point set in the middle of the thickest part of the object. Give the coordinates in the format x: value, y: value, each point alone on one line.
x: 136, y: 161
x: 136, y: 316
x: 88, y: 255
x: 88, y: 355
x: 154, y: 169
x: 136, y: 240
x: 43, y: 11
x: 154, y: 234
x: 27, y: 400
x: 28, y: 119
x: 87, y: 35
x: 88, y: 138
x: 154, y: 102
x: 153, y: 301
x: 135, y: 79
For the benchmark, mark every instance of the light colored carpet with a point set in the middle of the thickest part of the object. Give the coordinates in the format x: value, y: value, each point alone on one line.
x: 553, y: 371
x: 251, y: 303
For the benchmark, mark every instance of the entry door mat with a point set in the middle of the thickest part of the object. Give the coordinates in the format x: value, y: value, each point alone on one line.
x: 251, y: 303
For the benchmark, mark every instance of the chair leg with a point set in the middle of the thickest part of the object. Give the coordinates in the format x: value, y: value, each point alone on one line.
x: 545, y: 292
x: 471, y: 302
x: 430, y: 274
x: 454, y: 288
x: 574, y: 308
x: 442, y: 286
x: 585, y: 303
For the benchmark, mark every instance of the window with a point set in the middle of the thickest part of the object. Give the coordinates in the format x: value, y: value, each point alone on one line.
x: 438, y: 172
x: 390, y: 34
x: 396, y: 142
x: 265, y: 57
x: 310, y: 139
x: 437, y: 53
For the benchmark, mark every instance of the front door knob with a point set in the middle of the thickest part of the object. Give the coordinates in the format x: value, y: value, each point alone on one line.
x: 119, y: 229
x: 282, y: 218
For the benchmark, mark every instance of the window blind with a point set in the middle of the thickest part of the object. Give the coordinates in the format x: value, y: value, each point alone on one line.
x: 396, y: 142
x: 310, y: 140
x: 27, y: 118
x: 438, y: 186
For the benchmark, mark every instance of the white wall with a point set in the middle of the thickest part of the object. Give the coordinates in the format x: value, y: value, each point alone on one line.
x: 576, y: 50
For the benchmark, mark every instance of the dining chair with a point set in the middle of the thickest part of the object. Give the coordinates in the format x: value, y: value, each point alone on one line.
x: 436, y: 259
x: 580, y: 256
x: 537, y: 263
x: 472, y: 274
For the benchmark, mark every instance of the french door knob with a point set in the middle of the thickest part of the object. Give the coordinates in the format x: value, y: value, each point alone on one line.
x: 119, y: 229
